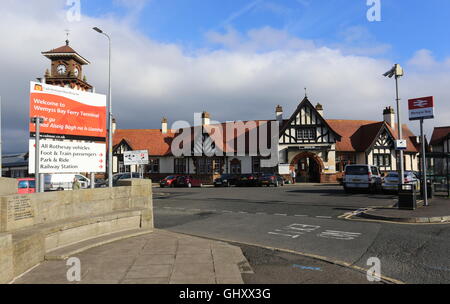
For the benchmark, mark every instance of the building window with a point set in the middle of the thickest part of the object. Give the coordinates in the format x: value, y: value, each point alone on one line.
x: 382, y: 160
x: 306, y: 134
x: 344, y: 159
x: 256, y: 165
x: 209, y: 165
x: 235, y: 166
x: 153, y: 165
x: 179, y: 166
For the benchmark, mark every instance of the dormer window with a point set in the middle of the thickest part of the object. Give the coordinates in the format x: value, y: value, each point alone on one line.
x: 306, y: 134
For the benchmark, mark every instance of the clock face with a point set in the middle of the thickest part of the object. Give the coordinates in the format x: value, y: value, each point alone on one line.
x: 61, y: 69
x: 76, y: 72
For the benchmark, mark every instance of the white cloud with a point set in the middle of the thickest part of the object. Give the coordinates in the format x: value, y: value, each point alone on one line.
x: 256, y: 71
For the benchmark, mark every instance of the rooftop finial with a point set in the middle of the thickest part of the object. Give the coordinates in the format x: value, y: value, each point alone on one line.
x: 67, y: 35
x: 306, y: 93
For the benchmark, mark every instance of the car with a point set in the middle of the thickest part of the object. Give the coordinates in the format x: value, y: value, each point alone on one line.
x: 247, y: 180
x: 362, y: 177
x: 390, y: 180
x: 26, y: 185
x: 64, y: 182
x: 169, y: 181
x: 127, y: 175
x: 269, y: 179
x: 188, y: 181
x: 226, y: 180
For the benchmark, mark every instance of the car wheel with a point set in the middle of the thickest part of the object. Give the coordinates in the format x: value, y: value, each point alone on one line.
x: 60, y: 189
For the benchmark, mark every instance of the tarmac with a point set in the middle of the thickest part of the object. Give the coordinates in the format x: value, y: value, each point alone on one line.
x: 437, y: 212
x: 160, y: 257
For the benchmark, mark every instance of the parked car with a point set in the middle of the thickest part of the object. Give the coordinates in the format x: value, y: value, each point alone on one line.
x: 364, y: 177
x: 26, y: 185
x: 390, y: 181
x: 268, y: 179
x: 226, y: 180
x: 127, y: 175
x: 188, y: 181
x: 247, y: 180
x: 62, y: 182
x: 169, y: 181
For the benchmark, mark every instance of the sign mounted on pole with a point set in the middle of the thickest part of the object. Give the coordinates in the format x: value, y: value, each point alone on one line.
x: 68, y: 157
x: 421, y: 108
x: 67, y: 113
x: 131, y: 158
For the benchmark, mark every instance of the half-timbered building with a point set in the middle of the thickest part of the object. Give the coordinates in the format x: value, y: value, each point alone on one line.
x: 316, y: 148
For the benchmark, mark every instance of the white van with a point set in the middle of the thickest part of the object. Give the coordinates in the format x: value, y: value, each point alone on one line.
x: 61, y: 182
x: 362, y: 177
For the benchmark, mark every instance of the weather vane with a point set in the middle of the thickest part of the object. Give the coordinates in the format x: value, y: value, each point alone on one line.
x: 67, y: 36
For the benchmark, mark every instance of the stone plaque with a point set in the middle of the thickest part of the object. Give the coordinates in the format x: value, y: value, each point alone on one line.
x: 19, y: 208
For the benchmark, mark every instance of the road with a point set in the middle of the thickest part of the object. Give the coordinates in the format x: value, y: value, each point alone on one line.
x: 306, y: 219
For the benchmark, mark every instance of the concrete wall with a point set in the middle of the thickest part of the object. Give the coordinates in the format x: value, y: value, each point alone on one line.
x: 31, y: 225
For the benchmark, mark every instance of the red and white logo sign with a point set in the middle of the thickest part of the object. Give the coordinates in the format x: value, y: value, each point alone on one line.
x: 421, y: 108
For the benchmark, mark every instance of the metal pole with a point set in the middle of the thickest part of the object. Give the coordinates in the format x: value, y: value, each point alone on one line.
x: 401, y: 170
x: 110, y: 135
x: 424, y: 165
x: 36, y: 155
x: 92, y: 180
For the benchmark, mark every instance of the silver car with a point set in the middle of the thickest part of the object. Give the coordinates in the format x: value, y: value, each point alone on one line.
x: 390, y: 181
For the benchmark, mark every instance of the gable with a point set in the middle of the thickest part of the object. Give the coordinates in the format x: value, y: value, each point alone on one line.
x: 307, y: 126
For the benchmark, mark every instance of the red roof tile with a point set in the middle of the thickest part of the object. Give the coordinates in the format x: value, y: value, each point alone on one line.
x: 156, y: 143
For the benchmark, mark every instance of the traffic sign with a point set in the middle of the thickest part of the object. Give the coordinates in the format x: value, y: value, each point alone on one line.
x: 135, y: 158
x: 421, y: 108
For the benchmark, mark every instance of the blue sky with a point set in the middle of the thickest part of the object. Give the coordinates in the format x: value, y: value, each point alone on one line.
x: 406, y: 26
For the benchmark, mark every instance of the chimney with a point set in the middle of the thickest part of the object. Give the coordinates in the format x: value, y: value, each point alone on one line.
x: 206, y: 118
x: 279, y: 114
x: 164, y: 126
x: 114, y: 125
x: 319, y: 109
x: 389, y: 116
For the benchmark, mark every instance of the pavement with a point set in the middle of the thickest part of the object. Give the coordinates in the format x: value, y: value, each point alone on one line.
x: 160, y: 257
x: 437, y: 212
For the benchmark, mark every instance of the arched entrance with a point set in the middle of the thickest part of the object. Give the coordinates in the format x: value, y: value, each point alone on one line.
x: 308, y: 167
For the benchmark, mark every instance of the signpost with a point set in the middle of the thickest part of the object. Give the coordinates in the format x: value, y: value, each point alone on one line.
x: 67, y: 157
x: 421, y: 109
x: 138, y: 158
x: 59, y: 114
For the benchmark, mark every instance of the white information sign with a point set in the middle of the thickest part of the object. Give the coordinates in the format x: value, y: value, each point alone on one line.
x: 68, y: 157
x: 135, y: 158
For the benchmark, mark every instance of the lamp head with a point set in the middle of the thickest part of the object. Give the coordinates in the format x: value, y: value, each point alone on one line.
x: 97, y: 30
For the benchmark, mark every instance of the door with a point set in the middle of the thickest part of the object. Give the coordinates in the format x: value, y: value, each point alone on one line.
x: 308, y: 171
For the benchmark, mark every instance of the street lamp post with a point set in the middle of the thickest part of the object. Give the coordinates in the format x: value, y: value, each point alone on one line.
x: 397, y: 71
x: 110, y: 135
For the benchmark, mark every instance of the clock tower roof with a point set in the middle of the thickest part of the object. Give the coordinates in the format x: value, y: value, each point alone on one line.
x: 65, y: 51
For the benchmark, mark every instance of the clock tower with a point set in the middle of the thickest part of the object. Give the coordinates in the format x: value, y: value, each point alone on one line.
x: 66, y: 69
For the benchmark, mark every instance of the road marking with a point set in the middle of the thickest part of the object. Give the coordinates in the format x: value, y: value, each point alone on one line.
x: 243, y: 212
x: 294, y: 230
x: 226, y: 211
x: 339, y: 235
x: 280, y: 214
x: 324, y: 217
x: 261, y: 213
x: 300, y: 215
